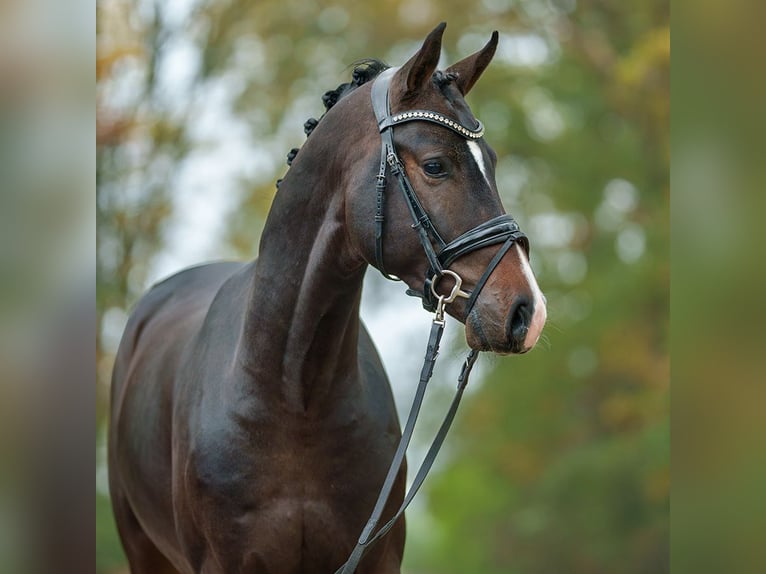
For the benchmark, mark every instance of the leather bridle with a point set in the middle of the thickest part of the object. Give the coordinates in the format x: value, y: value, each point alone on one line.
x: 501, y: 229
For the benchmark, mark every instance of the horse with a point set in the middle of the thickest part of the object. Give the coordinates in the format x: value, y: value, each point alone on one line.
x: 252, y: 422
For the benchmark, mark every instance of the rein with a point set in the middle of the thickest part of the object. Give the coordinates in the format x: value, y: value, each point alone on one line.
x: 501, y: 229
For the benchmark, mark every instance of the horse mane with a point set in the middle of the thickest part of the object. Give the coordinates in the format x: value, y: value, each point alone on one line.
x: 364, y: 71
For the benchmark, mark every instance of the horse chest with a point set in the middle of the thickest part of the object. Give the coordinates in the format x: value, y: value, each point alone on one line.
x: 287, y: 485
x: 287, y: 462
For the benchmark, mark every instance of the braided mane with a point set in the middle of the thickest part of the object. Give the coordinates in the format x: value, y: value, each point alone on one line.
x: 364, y: 71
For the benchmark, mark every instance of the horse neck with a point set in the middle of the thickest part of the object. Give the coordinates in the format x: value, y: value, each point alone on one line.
x: 302, y: 320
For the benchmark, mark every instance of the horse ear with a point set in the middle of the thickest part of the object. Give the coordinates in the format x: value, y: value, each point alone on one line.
x: 418, y: 70
x: 469, y: 69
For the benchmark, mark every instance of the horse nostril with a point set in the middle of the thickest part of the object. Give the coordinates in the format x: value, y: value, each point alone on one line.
x: 519, y: 319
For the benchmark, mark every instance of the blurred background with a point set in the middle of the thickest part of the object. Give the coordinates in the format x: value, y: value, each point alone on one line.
x: 559, y: 460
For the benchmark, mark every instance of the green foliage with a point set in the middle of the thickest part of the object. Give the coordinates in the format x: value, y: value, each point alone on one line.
x: 109, y: 554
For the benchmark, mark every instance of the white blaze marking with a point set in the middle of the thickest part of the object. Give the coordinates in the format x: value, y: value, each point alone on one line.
x: 541, y: 314
x: 537, y: 322
x: 479, y: 157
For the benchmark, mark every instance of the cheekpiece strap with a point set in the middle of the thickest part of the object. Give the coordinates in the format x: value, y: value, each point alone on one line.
x: 389, y: 160
x: 380, y: 107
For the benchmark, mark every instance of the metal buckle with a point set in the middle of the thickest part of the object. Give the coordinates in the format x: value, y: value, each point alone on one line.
x: 456, y: 288
x: 439, y: 318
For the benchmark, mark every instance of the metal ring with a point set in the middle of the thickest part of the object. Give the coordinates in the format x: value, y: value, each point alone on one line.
x: 456, y: 289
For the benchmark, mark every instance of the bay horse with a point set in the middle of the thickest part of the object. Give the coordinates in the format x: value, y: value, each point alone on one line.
x: 252, y: 422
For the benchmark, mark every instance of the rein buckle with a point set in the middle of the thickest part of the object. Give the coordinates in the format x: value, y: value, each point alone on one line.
x: 439, y: 318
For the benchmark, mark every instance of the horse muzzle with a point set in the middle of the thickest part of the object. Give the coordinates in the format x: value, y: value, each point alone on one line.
x: 510, y: 313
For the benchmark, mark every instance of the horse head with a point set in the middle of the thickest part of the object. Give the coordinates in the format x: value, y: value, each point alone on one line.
x: 454, y: 225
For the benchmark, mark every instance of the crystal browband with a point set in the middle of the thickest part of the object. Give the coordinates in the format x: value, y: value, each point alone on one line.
x: 427, y: 116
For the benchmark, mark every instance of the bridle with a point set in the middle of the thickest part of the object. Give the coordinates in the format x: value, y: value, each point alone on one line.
x: 501, y: 229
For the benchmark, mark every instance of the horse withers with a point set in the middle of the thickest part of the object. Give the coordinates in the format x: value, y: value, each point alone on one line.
x: 252, y: 422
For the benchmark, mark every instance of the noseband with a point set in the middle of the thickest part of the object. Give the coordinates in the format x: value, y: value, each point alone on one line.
x: 501, y: 229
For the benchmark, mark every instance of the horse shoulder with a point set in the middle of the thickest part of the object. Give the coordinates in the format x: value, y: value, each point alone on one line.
x: 162, y: 323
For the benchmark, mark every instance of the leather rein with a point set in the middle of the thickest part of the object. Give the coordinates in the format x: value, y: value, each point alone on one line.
x: 501, y: 229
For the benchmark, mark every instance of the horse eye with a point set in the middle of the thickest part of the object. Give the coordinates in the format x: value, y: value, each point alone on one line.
x: 434, y: 168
